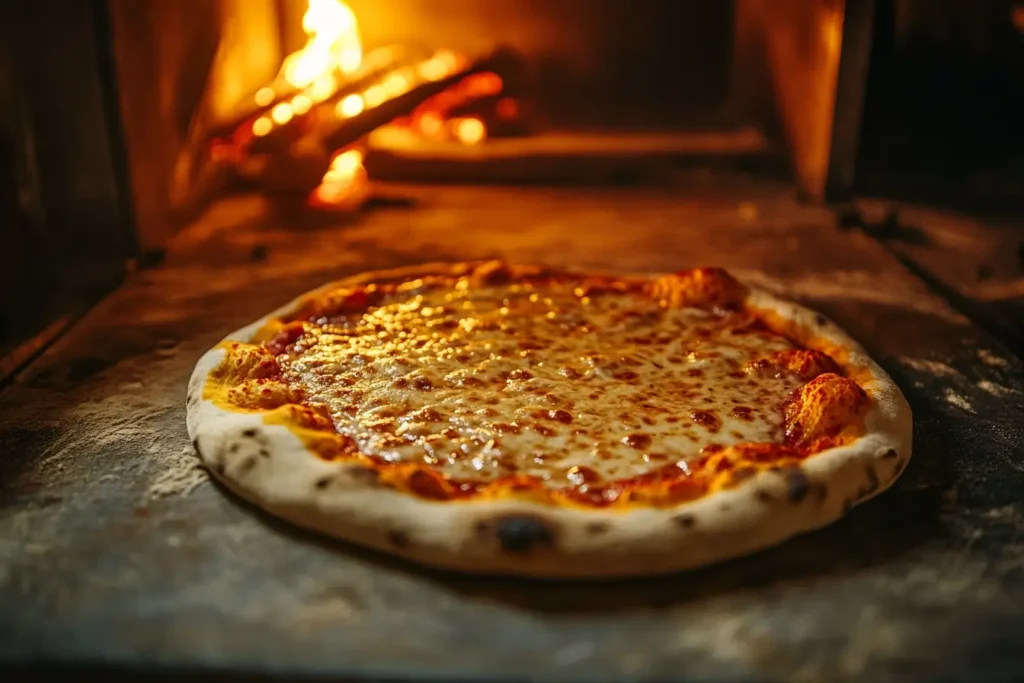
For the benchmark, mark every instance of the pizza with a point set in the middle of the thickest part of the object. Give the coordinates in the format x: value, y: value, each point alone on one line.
x: 522, y: 420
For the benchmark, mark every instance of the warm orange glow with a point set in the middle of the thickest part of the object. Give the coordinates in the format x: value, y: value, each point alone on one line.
x: 443, y: 63
x: 282, y: 113
x: 344, y: 166
x: 333, y: 44
x: 1017, y: 17
x: 261, y: 126
x: 264, y: 96
x: 397, y: 83
x: 332, y: 47
x: 344, y: 182
x: 322, y: 88
x: 483, y: 84
x: 301, y: 104
x: 374, y: 95
x: 433, y: 70
x: 351, y: 105
x: 470, y: 131
x: 431, y: 124
x: 507, y: 108
x: 451, y: 61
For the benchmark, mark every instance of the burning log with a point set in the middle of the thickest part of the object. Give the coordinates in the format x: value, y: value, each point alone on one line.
x: 333, y: 50
x: 297, y: 163
x: 279, y: 124
x: 353, y: 128
x: 264, y: 100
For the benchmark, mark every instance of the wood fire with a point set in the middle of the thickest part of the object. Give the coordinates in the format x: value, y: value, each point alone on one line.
x: 306, y: 131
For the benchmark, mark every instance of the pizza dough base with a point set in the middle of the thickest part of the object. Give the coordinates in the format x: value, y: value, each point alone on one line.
x: 269, y: 466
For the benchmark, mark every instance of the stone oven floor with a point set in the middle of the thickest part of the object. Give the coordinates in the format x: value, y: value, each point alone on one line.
x: 118, y: 554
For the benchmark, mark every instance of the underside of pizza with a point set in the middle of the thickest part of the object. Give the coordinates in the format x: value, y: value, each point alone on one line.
x: 520, y: 420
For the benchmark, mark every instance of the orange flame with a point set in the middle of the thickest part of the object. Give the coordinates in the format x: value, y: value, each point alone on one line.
x: 333, y: 47
x: 333, y: 44
x: 344, y: 181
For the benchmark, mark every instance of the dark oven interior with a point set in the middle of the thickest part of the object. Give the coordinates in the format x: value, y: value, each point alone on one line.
x: 174, y: 169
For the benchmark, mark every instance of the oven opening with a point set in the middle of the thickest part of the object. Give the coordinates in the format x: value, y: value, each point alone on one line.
x: 314, y: 102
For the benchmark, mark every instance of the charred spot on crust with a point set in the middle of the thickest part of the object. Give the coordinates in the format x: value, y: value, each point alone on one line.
x: 249, y: 433
x: 235, y: 447
x: 685, y: 520
x: 820, y: 319
x: 798, y: 485
x: 324, y: 482
x: 765, y: 496
x: 521, y: 533
x: 888, y: 454
x: 264, y: 453
x: 246, y: 465
x: 399, y: 539
x: 598, y: 527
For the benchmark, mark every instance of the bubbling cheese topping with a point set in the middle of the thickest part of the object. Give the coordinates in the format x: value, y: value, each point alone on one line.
x: 544, y: 379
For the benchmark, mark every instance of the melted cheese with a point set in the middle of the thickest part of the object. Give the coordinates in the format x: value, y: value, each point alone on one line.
x: 543, y: 380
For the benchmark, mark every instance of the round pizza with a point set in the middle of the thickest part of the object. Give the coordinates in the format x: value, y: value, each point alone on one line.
x: 509, y: 419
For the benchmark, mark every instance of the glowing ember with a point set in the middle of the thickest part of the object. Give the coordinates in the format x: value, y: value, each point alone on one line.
x: 323, y: 88
x: 397, y: 83
x: 350, y: 106
x: 344, y: 182
x: 261, y: 126
x: 431, y: 124
x: 507, y: 108
x: 483, y: 84
x: 345, y: 166
x: 374, y: 95
x: 301, y: 104
x: 264, y: 96
x: 470, y: 131
x: 282, y: 113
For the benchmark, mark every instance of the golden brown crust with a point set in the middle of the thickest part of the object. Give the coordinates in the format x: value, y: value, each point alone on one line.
x: 832, y: 422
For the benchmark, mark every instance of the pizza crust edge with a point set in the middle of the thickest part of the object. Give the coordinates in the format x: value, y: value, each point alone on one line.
x: 269, y: 466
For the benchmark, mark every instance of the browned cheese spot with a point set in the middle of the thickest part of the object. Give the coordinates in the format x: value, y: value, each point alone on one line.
x: 743, y: 413
x: 638, y: 441
x: 563, y: 416
x: 706, y: 419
